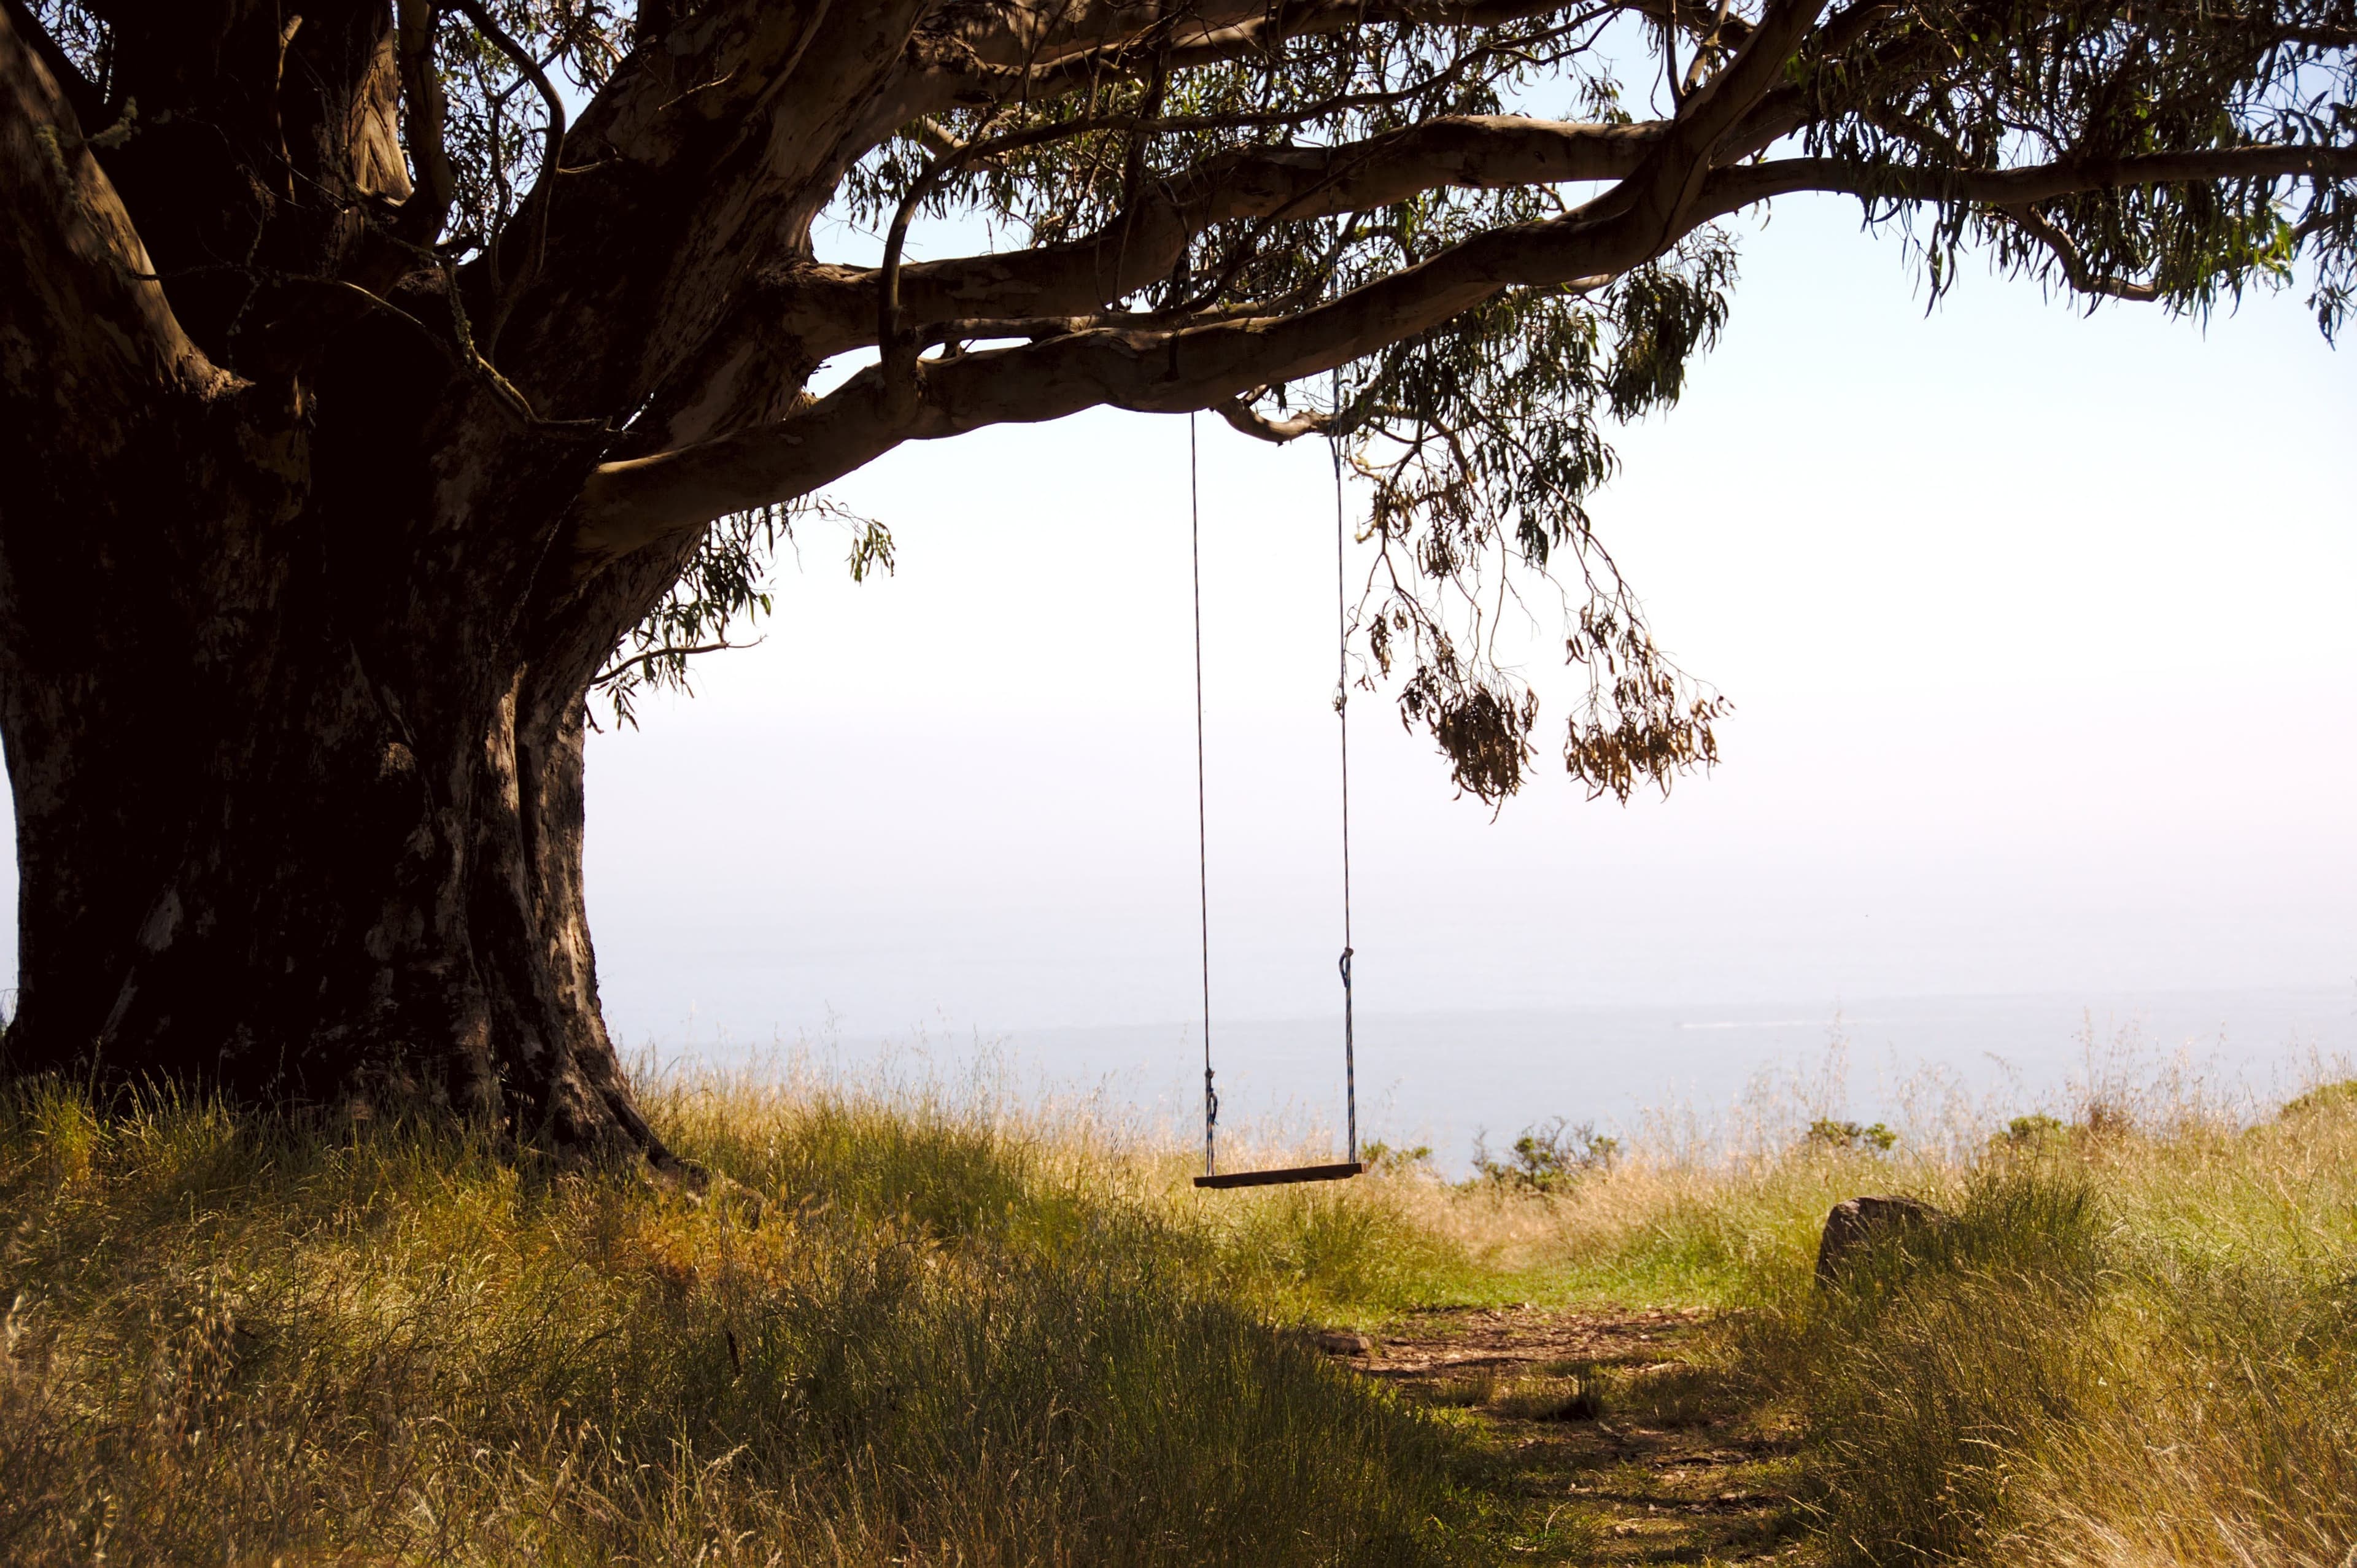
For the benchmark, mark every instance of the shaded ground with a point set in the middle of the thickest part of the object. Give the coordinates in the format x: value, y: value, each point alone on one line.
x: 1613, y: 1446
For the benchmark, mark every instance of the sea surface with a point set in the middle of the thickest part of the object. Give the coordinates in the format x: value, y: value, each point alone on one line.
x: 1449, y: 1079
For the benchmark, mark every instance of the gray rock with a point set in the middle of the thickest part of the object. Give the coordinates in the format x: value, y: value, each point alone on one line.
x: 1857, y: 1223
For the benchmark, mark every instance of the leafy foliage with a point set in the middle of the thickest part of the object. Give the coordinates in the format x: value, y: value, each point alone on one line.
x: 1548, y: 1157
x: 1482, y: 438
x: 1482, y: 442
x: 725, y: 584
x: 88, y: 42
x: 1828, y: 1133
x: 1985, y: 84
x: 1479, y: 442
x: 498, y: 117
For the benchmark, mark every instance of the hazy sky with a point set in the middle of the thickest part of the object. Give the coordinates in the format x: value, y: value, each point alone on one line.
x: 2037, y: 628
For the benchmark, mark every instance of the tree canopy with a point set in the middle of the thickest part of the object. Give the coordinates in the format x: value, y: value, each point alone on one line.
x: 1455, y: 238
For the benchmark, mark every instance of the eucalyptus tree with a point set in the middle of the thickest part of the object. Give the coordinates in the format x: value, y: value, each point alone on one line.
x: 384, y: 378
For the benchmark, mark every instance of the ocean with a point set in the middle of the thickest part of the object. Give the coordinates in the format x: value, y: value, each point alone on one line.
x: 1448, y: 1080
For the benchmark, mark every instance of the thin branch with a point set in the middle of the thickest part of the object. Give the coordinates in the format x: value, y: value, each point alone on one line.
x: 2074, y: 265
x: 614, y: 673
x: 89, y: 103
x: 1070, y: 280
x: 1705, y: 48
x: 535, y: 236
x: 1241, y: 415
x: 1733, y: 188
x: 900, y: 356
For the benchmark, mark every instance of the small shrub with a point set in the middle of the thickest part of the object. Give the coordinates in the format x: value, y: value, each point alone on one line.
x: 1825, y: 1133
x: 1548, y: 1157
x: 2038, y: 1132
x: 1381, y: 1159
x: 2341, y: 1097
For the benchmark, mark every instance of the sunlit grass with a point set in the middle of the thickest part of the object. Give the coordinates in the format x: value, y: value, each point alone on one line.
x: 906, y: 1325
x: 901, y: 1332
x: 2136, y: 1346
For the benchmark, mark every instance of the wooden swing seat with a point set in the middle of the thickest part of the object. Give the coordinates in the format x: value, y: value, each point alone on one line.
x: 1342, y: 1172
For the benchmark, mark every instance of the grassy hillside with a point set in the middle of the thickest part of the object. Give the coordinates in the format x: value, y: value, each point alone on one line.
x: 915, y: 1329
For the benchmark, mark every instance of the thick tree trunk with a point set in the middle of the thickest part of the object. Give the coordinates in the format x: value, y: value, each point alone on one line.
x: 291, y: 670
x: 300, y: 894
x: 299, y: 806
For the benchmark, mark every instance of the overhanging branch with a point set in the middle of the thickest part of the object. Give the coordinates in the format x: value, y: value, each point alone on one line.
x: 628, y: 504
x: 832, y: 309
x: 631, y: 503
x: 1032, y: 51
x: 1734, y: 189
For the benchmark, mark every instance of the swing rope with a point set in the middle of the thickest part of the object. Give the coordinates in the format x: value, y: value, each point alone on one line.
x: 1342, y: 717
x: 1212, y: 1177
x: 1202, y: 832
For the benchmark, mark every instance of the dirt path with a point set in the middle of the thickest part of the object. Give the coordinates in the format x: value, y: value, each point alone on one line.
x: 1612, y: 1446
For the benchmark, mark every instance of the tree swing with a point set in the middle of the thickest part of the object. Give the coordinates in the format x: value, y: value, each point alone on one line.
x: 1212, y: 1175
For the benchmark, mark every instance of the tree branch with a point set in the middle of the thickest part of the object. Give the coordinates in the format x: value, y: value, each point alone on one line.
x: 80, y: 92
x: 2074, y: 265
x: 1241, y: 415
x: 827, y: 308
x: 621, y: 668
x: 1733, y: 188
x: 1664, y: 190
x: 1017, y: 54
x: 633, y: 503
x: 628, y: 504
x: 832, y: 309
x: 428, y: 207
x: 535, y: 211
x: 74, y: 277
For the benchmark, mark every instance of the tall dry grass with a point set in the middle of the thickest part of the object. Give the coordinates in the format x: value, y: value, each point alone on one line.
x: 2136, y: 1346
x: 942, y: 1334
x: 929, y: 1327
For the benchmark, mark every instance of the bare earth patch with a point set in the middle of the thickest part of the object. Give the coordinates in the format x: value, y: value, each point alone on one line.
x: 1613, y: 1446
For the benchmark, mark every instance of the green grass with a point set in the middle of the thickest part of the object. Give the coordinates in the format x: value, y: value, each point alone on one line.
x: 2135, y: 1346
x: 940, y: 1338
x: 915, y: 1328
